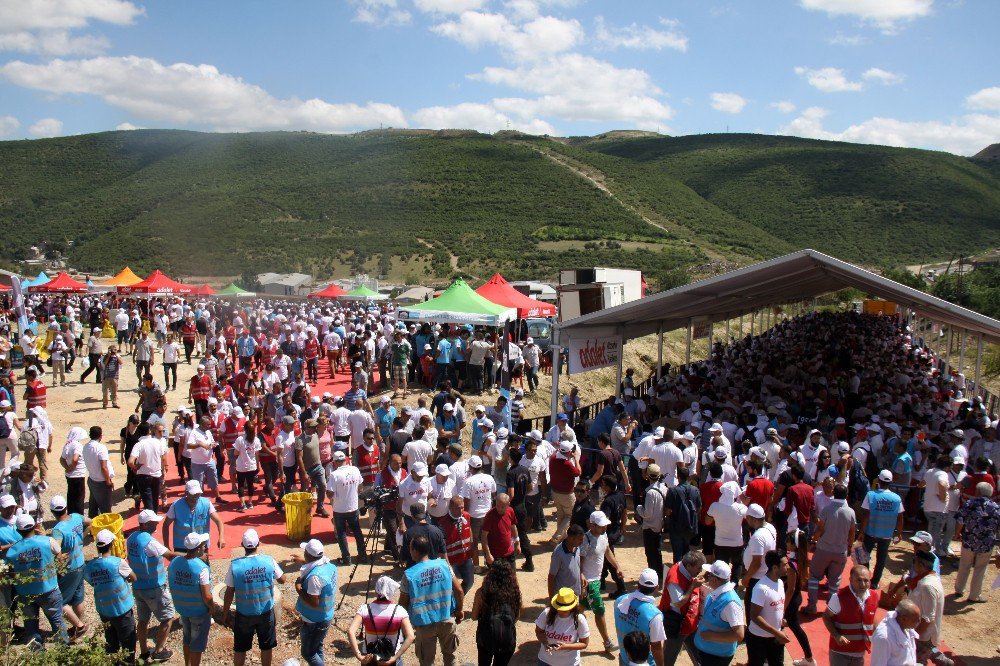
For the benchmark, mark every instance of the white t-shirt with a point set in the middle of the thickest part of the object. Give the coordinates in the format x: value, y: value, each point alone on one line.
x: 93, y: 453
x: 69, y: 451
x: 415, y: 451
x: 592, y: 552
x: 246, y: 453
x: 171, y: 352
x: 770, y: 596
x: 412, y: 491
x: 934, y: 479
x: 562, y: 630
x: 200, y: 456
x: 728, y: 523
x: 761, y: 541
x: 358, y: 421
x: 149, y: 452
x: 479, y: 489
x: 285, y: 443
x: 441, y: 494
x: 667, y: 456
x: 343, y: 484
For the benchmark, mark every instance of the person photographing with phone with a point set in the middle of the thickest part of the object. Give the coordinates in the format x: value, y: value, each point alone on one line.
x: 562, y: 630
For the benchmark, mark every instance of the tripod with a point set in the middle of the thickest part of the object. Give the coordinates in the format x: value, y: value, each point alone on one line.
x: 372, y: 537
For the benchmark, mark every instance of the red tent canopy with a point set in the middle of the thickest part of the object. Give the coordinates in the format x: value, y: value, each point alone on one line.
x: 204, y: 290
x: 330, y: 291
x: 62, y: 284
x: 500, y: 292
x: 157, y: 283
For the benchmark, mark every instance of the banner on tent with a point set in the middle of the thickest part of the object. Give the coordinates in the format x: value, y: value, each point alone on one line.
x: 593, y: 353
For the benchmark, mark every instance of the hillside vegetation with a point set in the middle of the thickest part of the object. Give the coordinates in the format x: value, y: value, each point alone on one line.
x: 433, y: 203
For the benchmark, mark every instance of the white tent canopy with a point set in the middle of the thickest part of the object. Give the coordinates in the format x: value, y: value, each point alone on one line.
x: 793, y: 277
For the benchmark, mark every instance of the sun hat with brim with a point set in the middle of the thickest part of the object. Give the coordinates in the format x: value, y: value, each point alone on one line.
x: 565, y: 599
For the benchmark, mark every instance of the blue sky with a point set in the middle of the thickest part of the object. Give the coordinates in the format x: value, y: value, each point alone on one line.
x: 917, y: 73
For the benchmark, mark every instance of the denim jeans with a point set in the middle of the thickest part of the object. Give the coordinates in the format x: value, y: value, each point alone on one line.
x: 290, y: 474
x: 51, y: 604
x: 348, y: 521
x: 318, y: 477
x: 937, y: 526
x: 313, y: 635
x: 466, y: 572
x: 881, y: 548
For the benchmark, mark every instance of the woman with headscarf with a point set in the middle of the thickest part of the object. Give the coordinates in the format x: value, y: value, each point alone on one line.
x: 75, y: 468
x: 38, y: 420
x: 388, y: 633
x: 727, y: 516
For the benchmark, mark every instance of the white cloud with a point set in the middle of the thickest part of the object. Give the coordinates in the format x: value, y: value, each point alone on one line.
x: 380, y: 12
x: 127, y: 127
x: 449, y: 6
x: 964, y: 136
x: 784, y: 106
x: 841, y: 39
x: 576, y: 87
x: 642, y: 37
x: 886, y: 15
x: 46, y: 27
x: 828, y: 79
x: 884, y: 77
x: 481, y: 117
x: 537, y: 38
x: 46, y: 127
x: 8, y: 125
x: 196, y: 95
x: 987, y: 99
x: 728, y: 102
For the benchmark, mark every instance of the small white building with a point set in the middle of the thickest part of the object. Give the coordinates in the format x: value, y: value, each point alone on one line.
x: 285, y: 284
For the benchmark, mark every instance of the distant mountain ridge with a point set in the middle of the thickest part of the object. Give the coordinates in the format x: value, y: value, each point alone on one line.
x: 422, y: 204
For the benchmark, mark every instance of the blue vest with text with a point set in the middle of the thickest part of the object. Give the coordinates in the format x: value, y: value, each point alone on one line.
x: 184, y: 573
x: 187, y: 520
x: 638, y: 617
x: 253, y: 580
x: 149, y: 571
x: 8, y: 534
x: 112, y: 594
x: 883, y: 512
x: 33, y: 556
x: 328, y: 574
x: 430, y: 585
x: 712, y: 621
x: 69, y: 534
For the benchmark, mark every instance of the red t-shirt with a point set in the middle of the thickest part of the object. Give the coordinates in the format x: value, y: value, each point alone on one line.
x: 501, y: 532
x: 803, y: 498
x: 711, y: 492
x: 562, y: 474
x: 760, y: 491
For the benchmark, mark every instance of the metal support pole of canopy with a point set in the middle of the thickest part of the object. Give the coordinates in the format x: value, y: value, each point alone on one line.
x: 727, y: 330
x: 687, y: 350
x: 961, y: 351
x: 556, y: 348
x: 979, y: 361
x: 618, y: 370
x: 659, y: 351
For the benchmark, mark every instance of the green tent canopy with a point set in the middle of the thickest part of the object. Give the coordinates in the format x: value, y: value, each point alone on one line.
x: 459, y: 304
x: 362, y: 293
x: 232, y: 290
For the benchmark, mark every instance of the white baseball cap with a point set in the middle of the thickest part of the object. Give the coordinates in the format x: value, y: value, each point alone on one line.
x: 384, y: 399
x: 475, y: 462
x: 58, y: 503
x: 443, y: 470
x: 105, y: 537
x: 312, y: 547
x: 719, y: 569
x: 250, y: 539
x: 419, y: 468
x: 448, y: 407
x: 25, y: 521
x: 7, y: 501
x: 648, y: 578
x: 600, y: 519
x: 4, y: 403
x: 148, y: 516
x: 339, y: 456
x: 535, y: 435
x: 565, y: 447
x: 193, y: 487
x: 193, y: 540
x: 885, y: 475
x: 755, y: 511
x: 479, y: 408
x: 715, y: 427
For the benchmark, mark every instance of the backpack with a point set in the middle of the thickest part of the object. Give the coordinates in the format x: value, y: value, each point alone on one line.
x: 857, y: 485
x: 500, y: 630
x: 685, y: 518
x: 27, y: 441
x: 872, y: 467
x: 749, y: 437
x: 4, y: 427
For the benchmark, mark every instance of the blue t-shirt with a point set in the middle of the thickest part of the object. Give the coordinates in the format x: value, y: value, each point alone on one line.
x: 444, y: 351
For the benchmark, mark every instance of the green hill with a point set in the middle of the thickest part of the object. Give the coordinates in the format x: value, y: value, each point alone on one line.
x: 419, y: 204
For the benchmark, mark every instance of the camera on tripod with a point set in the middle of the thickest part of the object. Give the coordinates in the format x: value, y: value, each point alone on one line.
x: 377, y: 497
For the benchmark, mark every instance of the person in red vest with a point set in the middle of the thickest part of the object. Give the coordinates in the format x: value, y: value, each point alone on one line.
x: 34, y: 390
x: 680, y: 603
x: 850, y: 619
x: 390, y: 477
x: 711, y: 492
x: 459, y: 546
x: 189, y: 334
x: 368, y: 459
x: 200, y: 391
x: 312, y: 356
x: 230, y: 428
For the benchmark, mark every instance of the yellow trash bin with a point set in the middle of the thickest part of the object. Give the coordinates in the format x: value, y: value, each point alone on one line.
x: 298, y: 515
x: 112, y: 522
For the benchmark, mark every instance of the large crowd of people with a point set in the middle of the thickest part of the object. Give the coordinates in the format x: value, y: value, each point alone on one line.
x: 754, y: 479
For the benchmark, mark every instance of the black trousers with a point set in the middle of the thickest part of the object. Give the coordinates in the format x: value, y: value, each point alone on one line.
x: 521, y: 513
x: 149, y: 491
x: 706, y: 659
x: 94, y: 360
x: 654, y: 554
x: 119, y: 633
x: 490, y: 656
x: 761, y: 650
x: 76, y: 493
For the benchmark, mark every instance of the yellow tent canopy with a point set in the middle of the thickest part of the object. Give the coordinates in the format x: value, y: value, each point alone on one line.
x: 124, y: 279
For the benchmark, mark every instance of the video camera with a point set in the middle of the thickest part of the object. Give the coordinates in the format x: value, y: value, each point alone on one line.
x: 377, y: 497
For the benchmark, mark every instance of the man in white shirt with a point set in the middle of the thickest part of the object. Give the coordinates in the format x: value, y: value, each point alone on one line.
x: 359, y: 420
x: 417, y: 451
x: 811, y: 450
x: 894, y: 642
x: 340, y: 420
x: 200, y: 443
x: 414, y: 489
x: 442, y: 490
x: 593, y: 552
x: 762, y: 540
x: 478, y: 492
x: 100, y: 474
x: 343, y: 485
x: 148, y: 459
x: 765, y: 640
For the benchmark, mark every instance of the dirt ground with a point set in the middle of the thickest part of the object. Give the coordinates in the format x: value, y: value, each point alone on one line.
x: 970, y: 630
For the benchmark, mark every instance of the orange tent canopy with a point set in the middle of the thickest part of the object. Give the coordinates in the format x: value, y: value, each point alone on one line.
x: 62, y: 284
x: 126, y: 278
x: 157, y: 283
x: 204, y: 290
x: 330, y: 291
x: 500, y: 292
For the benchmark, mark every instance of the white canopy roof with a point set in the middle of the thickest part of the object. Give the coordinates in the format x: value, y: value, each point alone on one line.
x: 793, y: 277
